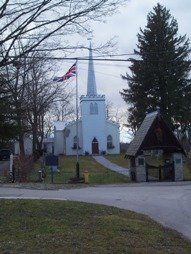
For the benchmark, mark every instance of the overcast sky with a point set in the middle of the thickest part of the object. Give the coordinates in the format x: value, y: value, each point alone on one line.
x: 125, y: 25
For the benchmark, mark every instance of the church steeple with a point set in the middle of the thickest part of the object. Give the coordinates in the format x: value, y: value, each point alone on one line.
x: 91, y: 85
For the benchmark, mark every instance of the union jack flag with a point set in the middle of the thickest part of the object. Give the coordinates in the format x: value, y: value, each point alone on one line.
x: 70, y: 73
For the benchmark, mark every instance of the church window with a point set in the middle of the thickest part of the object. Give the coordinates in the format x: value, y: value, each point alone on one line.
x: 93, y: 108
x: 110, y: 142
x: 75, y: 143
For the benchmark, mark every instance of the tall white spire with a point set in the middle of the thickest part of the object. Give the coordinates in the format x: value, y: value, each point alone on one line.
x: 91, y: 85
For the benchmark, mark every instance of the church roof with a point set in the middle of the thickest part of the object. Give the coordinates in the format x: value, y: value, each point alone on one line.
x: 91, y: 85
x: 154, y: 134
x: 60, y: 125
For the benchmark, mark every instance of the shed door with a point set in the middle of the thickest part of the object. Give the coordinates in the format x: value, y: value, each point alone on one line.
x: 95, y: 146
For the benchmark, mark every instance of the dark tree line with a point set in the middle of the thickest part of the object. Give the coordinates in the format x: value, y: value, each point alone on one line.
x: 160, y: 73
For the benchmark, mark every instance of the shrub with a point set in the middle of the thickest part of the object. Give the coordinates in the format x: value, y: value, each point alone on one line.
x: 23, y: 165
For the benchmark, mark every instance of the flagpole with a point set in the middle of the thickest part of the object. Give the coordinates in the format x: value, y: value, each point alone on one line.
x: 77, y: 122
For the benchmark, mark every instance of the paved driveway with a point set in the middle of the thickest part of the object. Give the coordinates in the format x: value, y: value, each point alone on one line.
x: 167, y: 203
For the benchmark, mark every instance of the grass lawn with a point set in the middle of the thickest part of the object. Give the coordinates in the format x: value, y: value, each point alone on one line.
x: 44, y: 226
x: 98, y: 174
x: 118, y: 159
x: 187, y: 169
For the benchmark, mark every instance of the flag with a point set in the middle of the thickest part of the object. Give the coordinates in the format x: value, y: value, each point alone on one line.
x: 70, y: 73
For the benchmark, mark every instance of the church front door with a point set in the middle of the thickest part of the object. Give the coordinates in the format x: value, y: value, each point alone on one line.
x: 95, y: 146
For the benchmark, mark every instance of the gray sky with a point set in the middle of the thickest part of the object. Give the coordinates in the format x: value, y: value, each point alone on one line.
x: 125, y: 25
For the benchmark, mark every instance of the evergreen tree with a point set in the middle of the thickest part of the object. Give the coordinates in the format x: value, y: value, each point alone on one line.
x: 160, y: 73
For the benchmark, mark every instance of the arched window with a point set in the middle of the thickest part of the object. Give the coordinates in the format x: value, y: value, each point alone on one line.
x: 75, y: 143
x: 93, y: 108
x: 110, y: 142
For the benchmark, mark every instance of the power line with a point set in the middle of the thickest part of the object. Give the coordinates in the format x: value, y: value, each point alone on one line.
x: 101, y: 59
x: 103, y: 73
x: 87, y: 59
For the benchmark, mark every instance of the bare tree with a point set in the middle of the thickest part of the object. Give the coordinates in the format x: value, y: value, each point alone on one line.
x: 113, y: 113
x: 14, y: 90
x: 63, y: 110
x: 41, y: 94
x: 38, y: 20
x: 32, y: 93
x: 120, y: 116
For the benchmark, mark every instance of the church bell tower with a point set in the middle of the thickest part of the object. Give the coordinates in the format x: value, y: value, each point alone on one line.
x: 93, y: 114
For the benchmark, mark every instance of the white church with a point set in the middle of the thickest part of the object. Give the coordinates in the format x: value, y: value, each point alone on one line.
x: 92, y: 133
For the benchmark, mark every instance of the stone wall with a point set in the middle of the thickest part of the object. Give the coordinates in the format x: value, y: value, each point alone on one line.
x: 140, y: 169
x: 178, y: 166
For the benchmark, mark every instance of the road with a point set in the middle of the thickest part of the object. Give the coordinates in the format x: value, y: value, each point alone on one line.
x: 167, y: 203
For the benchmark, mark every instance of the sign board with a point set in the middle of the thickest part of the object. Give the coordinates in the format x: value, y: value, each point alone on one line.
x: 51, y: 160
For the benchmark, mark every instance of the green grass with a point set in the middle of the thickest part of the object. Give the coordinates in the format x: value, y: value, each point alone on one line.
x: 98, y: 174
x: 44, y: 226
x: 118, y: 159
x: 187, y: 169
